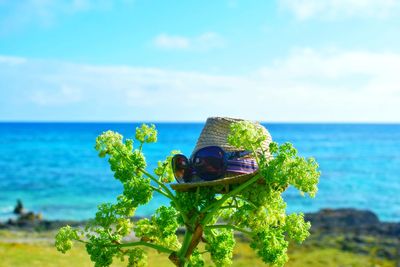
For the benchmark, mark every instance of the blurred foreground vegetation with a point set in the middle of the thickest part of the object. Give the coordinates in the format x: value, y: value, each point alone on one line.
x: 20, y: 248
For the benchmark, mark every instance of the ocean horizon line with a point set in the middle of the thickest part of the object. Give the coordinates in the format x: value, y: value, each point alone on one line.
x: 200, y: 122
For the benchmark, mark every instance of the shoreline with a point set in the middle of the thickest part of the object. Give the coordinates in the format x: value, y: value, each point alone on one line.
x: 344, y: 220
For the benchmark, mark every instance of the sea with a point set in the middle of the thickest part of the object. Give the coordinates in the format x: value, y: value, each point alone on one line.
x: 54, y: 169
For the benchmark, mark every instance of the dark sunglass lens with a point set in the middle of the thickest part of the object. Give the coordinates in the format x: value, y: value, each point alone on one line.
x: 209, y: 163
x: 181, y: 168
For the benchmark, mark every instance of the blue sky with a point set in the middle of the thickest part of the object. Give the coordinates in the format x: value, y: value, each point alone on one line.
x: 139, y: 60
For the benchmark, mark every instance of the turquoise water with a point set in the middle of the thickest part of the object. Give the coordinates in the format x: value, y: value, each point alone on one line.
x: 55, y: 170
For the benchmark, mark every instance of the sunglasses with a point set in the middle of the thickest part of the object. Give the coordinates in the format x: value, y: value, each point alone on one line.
x: 211, y: 163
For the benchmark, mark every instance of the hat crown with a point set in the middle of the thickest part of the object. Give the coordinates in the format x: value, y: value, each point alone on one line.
x: 215, y: 133
x: 217, y: 129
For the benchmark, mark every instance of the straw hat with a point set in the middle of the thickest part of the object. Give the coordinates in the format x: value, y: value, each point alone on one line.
x: 215, y: 133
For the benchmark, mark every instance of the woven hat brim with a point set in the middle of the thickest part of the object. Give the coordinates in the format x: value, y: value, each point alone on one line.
x: 238, y: 179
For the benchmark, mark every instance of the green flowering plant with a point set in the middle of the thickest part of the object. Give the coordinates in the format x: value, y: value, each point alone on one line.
x: 255, y: 208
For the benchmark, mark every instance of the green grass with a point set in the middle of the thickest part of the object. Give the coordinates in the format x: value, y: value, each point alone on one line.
x: 40, y: 252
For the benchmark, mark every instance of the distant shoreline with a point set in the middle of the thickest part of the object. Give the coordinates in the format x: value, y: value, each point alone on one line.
x: 202, y: 122
x: 326, y: 220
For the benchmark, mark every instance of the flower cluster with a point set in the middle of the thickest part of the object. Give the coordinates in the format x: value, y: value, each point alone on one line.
x: 160, y: 228
x: 220, y: 244
x: 64, y: 238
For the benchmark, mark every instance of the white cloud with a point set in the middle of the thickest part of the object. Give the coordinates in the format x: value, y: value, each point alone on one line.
x: 174, y: 42
x: 56, y: 96
x: 329, y: 9
x: 307, y: 85
x: 11, y: 60
x: 343, y: 86
x: 205, y: 41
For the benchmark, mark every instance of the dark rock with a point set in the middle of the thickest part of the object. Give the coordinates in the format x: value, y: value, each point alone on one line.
x: 19, y: 208
x: 353, y: 221
x: 39, y: 225
x: 343, y: 218
x: 384, y: 253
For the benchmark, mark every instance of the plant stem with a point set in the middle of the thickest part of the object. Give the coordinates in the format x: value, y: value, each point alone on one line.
x: 255, y: 155
x: 247, y: 201
x: 159, y: 183
x: 146, y: 244
x: 195, y: 240
x: 228, y: 226
x: 168, y: 192
x: 141, y: 146
x: 231, y: 193
x: 215, y: 206
x: 229, y: 207
x: 160, y: 191
x: 185, y: 245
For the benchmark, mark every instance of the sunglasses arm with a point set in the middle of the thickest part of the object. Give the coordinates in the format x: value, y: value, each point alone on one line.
x: 237, y: 154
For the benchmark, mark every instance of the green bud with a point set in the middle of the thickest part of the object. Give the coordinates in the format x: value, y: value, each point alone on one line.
x: 146, y: 133
x: 64, y: 238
